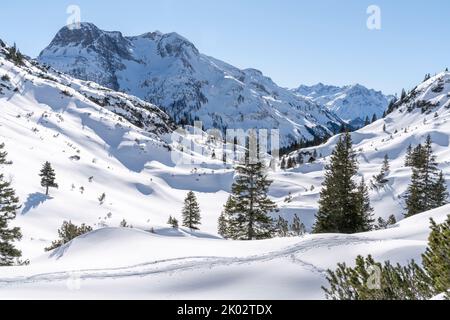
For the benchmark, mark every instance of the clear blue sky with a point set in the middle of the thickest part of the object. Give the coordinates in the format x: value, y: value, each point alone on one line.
x: 292, y: 41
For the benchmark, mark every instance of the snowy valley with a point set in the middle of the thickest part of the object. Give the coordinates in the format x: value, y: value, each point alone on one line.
x: 111, y: 143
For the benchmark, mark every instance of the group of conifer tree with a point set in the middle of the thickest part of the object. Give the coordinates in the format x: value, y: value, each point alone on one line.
x: 396, y: 282
x: 428, y: 189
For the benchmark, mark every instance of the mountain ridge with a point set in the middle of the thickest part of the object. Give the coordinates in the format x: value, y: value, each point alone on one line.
x: 169, y: 71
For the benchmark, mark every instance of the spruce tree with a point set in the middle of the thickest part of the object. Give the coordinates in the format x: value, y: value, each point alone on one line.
x: 191, y: 212
x: 414, y: 196
x: 338, y: 210
x: 68, y: 232
x: 365, y: 221
x: 436, y: 259
x: 427, y: 189
x: 226, y: 226
x: 9, y: 204
x: 283, y: 164
x: 249, y: 206
x: 48, y: 177
x: 173, y: 222
x: 409, y: 155
x: 381, y: 179
x: 440, y: 194
x: 297, y: 227
x: 374, y: 118
x: 282, y: 227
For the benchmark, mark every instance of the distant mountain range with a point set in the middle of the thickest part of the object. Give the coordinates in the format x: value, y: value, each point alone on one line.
x: 168, y: 71
x: 353, y: 103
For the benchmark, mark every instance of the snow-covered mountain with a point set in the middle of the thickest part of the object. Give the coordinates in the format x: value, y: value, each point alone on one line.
x: 352, y: 103
x: 424, y: 111
x: 102, y: 141
x: 168, y: 70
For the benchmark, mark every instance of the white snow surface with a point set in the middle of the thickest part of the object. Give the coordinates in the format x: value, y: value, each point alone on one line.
x: 132, y: 166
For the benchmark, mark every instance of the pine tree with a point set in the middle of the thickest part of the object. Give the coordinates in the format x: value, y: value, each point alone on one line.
x: 227, y: 227
x: 427, y: 190
x: 223, y: 226
x: 297, y: 227
x: 414, y: 196
x: 249, y: 206
x: 374, y: 118
x: 366, y: 221
x: 67, y: 233
x: 338, y: 210
x: 173, y: 222
x: 440, y: 194
x: 403, y: 95
x: 282, y: 227
x: 367, y: 121
x: 381, y: 179
x: 396, y: 282
x: 409, y: 156
x: 48, y: 177
x: 436, y: 259
x: 283, y: 164
x: 9, y: 204
x: 191, y: 212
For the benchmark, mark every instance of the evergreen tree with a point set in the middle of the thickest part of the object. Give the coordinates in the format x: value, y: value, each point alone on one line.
x: 414, y: 196
x: 427, y: 189
x: 366, y: 220
x: 381, y: 179
x: 338, y: 210
x: 367, y: 121
x: 48, y: 177
x: 383, y: 224
x: 67, y: 233
x: 191, y: 212
x: 282, y: 227
x: 409, y: 156
x: 395, y: 282
x: 173, y: 222
x: 227, y: 227
x: 410, y: 282
x: 297, y: 227
x: 283, y: 164
x: 9, y: 204
x: 403, y: 95
x: 440, y: 194
x: 248, y: 208
x: 3, y: 156
x: 374, y: 118
x: 436, y: 259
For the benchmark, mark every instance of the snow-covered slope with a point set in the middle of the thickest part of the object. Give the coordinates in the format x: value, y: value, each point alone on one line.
x: 169, y: 71
x: 115, y: 263
x: 425, y: 111
x: 352, y: 103
x: 98, y: 141
x: 101, y: 141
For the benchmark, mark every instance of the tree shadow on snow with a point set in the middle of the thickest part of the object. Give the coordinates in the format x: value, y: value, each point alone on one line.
x: 34, y: 200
